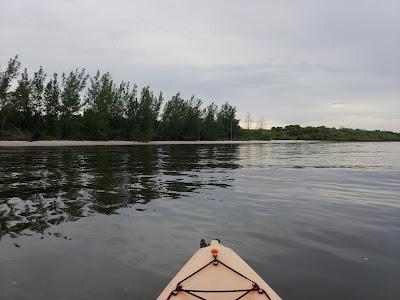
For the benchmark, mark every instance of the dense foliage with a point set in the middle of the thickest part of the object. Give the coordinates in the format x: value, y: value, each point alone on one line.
x: 322, y: 133
x: 78, y: 106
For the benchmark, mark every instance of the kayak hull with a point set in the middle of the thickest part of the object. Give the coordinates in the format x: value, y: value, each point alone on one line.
x: 216, y: 272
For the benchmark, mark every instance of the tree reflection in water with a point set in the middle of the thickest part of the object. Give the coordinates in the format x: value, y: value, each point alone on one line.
x: 40, y: 187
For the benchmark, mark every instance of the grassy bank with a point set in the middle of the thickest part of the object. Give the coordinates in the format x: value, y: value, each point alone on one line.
x: 322, y: 133
x: 291, y: 132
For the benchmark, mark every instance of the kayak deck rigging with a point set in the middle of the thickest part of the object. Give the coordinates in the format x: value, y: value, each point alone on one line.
x: 212, y: 272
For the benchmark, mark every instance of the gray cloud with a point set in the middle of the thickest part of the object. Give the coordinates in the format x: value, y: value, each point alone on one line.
x: 332, y: 63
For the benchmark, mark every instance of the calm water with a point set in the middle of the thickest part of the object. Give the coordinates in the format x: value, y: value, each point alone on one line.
x: 316, y: 220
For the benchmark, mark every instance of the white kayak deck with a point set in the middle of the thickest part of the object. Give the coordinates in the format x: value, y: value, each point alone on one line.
x: 213, y: 273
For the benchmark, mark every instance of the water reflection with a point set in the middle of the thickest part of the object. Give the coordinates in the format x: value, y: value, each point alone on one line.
x: 316, y: 220
x: 44, y: 187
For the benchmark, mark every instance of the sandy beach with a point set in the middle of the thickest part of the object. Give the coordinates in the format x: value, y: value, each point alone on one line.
x: 61, y: 143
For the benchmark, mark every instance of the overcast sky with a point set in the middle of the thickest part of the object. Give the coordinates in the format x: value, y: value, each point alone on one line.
x: 333, y: 63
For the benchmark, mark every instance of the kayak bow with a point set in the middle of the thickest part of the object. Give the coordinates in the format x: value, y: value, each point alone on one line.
x: 216, y: 272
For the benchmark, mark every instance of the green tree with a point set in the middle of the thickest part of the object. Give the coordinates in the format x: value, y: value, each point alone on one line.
x: 210, y: 129
x: 148, y: 111
x: 121, y: 96
x: 193, y: 119
x: 51, y: 99
x: 21, y: 102
x: 6, y: 78
x: 131, y: 112
x: 37, y: 88
x: 173, y: 118
x: 71, y: 88
x: 228, y: 124
x: 105, y: 115
x: 98, y: 99
x: 36, y: 102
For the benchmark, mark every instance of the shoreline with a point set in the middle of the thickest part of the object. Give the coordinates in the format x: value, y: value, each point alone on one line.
x: 66, y: 143
x: 75, y: 143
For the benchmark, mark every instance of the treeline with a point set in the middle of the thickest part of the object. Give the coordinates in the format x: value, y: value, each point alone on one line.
x: 322, y: 133
x: 75, y: 105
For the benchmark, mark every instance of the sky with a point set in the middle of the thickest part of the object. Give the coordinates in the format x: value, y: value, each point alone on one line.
x: 308, y: 62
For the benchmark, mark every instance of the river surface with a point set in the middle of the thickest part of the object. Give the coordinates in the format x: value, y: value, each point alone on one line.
x: 317, y: 220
